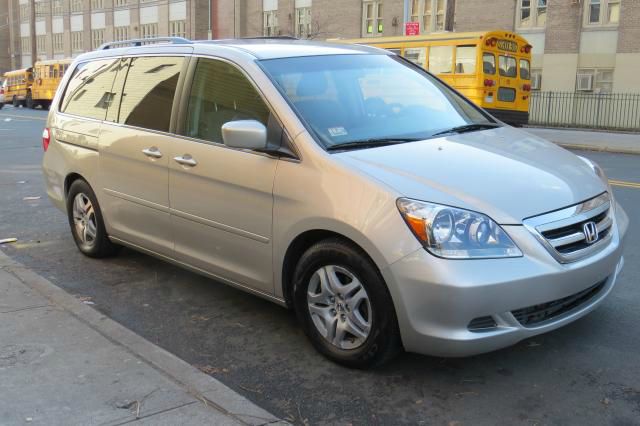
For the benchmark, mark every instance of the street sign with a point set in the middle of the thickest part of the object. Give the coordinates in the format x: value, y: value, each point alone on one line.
x: 412, y: 28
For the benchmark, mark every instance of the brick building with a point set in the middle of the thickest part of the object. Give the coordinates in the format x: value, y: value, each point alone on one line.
x: 591, y: 45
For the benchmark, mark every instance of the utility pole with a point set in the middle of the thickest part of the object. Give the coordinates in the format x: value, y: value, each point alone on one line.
x: 32, y: 31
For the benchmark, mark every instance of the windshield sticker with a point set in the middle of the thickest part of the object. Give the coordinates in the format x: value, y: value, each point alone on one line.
x: 337, y: 131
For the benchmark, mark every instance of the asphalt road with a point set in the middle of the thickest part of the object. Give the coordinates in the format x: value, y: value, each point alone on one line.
x: 585, y: 373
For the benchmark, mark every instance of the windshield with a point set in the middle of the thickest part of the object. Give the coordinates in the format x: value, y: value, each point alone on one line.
x: 352, y: 98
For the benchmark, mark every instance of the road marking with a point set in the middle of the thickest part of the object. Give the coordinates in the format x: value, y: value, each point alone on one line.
x: 26, y: 117
x: 624, y: 184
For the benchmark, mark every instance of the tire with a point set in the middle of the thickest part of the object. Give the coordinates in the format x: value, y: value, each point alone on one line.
x: 29, y: 102
x: 15, y: 102
x: 83, y: 212
x: 340, y: 305
x: 1, y: 105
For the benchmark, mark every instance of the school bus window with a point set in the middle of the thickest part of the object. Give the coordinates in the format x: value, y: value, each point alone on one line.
x: 417, y: 55
x: 465, y: 59
x: 441, y: 59
x: 396, y: 51
x: 525, y: 69
x: 508, y: 66
x: 488, y: 63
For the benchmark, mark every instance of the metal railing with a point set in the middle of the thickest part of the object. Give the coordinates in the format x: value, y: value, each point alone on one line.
x: 611, y: 111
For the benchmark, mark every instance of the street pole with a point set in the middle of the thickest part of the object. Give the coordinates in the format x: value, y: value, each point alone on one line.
x: 210, y: 33
x: 32, y: 31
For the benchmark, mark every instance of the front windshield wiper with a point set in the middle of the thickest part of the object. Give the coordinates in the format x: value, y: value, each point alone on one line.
x: 370, y: 143
x: 467, y: 128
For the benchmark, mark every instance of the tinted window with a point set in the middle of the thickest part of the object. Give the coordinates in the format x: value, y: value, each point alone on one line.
x: 88, y: 93
x: 221, y: 93
x: 150, y: 86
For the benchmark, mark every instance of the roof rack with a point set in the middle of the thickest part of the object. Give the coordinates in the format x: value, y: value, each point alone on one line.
x: 141, y: 41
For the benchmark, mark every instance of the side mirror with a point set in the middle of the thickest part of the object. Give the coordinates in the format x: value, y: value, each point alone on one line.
x: 245, y: 134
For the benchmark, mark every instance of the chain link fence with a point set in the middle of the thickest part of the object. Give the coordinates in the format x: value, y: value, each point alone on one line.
x: 611, y: 111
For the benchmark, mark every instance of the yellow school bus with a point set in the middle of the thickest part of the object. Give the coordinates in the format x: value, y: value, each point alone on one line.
x: 46, y: 78
x: 492, y: 69
x: 17, y: 86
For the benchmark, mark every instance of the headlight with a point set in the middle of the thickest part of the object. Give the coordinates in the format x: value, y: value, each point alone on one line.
x: 455, y: 233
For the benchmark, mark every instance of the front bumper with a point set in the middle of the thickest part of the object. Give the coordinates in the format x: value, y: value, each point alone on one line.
x: 436, y: 299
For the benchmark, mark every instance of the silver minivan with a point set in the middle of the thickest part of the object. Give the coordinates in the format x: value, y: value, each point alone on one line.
x: 342, y: 181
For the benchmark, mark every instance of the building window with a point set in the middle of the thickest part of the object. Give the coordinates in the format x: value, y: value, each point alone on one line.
x: 97, y: 38
x: 58, y: 43
x: 25, y: 43
x: 602, y: 12
x: 372, y: 18
x: 97, y: 4
x: 532, y: 13
x: 57, y: 8
x: 595, y: 80
x: 24, y: 12
x: 536, y: 79
x: 118, y: 3
x: 76, y: 41
x: 76, y: 5
x: 41, y: 45
x: 149, y: 30
x: 178, y: 28
x: 120, y: 33
x: 303, y: 22
x: 432, y: 15
x: 42, y: 9
x: 270, y: 23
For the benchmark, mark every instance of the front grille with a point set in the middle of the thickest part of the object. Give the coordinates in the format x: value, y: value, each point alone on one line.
x: 482, y: 324
x: 536, y: 314
x: 563, y: 232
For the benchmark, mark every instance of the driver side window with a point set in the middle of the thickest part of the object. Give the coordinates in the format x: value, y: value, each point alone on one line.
x: 221, y: 93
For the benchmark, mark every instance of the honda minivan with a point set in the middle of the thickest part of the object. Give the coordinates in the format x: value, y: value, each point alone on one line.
x: 342, y: 181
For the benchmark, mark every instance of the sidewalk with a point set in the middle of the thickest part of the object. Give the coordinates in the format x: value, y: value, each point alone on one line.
x: 624, y: 143
x: 64, y: 363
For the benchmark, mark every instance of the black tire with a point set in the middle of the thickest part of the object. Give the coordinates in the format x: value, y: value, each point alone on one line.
x: 383, y: 340
x: 1, y: 105
x: 99, y: 246
x: 29, y: 102
x: 15, y: 102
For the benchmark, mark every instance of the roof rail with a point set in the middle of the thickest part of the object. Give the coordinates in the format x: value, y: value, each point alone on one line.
x: 141, y: 41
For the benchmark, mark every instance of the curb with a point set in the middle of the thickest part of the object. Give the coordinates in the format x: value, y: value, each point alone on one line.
x: 203, y: 387
x: 598, y: 148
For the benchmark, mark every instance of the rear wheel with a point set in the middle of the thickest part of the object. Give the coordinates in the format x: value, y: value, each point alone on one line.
x: 344, y: 306
x: 85, y: 220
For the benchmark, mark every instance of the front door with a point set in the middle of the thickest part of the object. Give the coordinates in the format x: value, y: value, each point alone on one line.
x: 221, y: 198
x: 135, y: 152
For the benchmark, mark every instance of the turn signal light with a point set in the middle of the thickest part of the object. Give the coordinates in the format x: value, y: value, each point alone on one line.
x: 46, y: 138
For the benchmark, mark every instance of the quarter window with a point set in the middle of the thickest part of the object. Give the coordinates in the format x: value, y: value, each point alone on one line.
x: 147, y: 97
x: 221, y: 93
x: 465, y: 59
x: 441, y: 59
x: 88, y: 93
x: 507, y: 66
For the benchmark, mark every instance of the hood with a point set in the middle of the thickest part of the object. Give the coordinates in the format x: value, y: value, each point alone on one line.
x: 505, y: 173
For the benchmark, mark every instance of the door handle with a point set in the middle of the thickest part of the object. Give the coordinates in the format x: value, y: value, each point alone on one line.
x: 186, y: 160
x: 152, y: 152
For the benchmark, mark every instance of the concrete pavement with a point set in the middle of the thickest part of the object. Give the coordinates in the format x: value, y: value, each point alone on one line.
x: 64, y: 363
x: 592, y: 140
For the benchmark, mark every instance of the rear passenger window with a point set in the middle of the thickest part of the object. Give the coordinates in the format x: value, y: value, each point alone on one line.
x: 89, y: 93
x: 221, y: 93
x: 149, y: 89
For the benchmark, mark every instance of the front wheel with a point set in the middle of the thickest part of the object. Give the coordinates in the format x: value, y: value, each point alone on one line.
x: 344, y: 306
x: 87, y: 225
x: 15, y: 102
x: 29, y: 101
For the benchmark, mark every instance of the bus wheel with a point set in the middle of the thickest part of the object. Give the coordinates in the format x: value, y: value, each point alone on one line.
x: 15, y: 102
x: 29, y: 102
x: 1, y: 105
